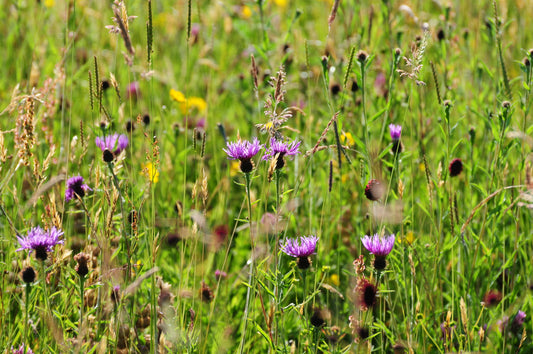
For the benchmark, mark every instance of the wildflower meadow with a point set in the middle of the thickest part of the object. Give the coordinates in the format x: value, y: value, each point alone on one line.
x: 266, y: 176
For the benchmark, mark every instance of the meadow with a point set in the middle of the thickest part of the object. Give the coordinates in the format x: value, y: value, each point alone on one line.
x: 267, y: 176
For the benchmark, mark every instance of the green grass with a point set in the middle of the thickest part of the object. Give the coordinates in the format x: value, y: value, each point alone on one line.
x: 458, y: 238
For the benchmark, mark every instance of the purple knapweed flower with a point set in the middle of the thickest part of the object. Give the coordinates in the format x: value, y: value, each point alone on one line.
x: 133, y: 90
x: 75, y: 186
x: 20, y: 350
x: 243, y: 150
x: 395, y: 131
x: 301, y: 249
x: 518, y: 322
x: 220, y: 274
x: 395, y: 134
x: 41, y: 241
x: 380, y: 247
x: 281, y: 149
x: 112, y: 145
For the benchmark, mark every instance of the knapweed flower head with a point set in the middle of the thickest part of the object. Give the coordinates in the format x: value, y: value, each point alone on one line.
x: 279, y: 149
x: 367, y: 293
x: 455, y: 167
x: 380, y: 247
x: 243, y: 150
x: 133, y: 90
x: 374, y: 190
x: 301, y: 249
x: 112, y: 145
x: 41, y: 241
x: 75, y: 186
x: 21, y: 350
x: 395, y: 131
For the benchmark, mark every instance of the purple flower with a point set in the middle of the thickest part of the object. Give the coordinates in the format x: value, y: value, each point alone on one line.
x: 281, y: 149
x: 112, y: 145
x: 300, y: 249
x: 377, y: 245
x: 133, y: 90
x: 380, y: 247
x: 518, y: 322
x: 219, y: 274
x: 305, y: 247
x: 20, y: 350
x: 395, y: 131
x: 41, y: 241
x: 75, y: 186
x: 243, y: 150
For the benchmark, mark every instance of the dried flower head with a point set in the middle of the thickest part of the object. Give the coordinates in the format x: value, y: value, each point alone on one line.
x: 492, y: 298
x: 367, y: 293
x: 206, y: 293
x: 81, y: 268
x: 41, y: 241
x: 243, y: 150
x: 75, y: 186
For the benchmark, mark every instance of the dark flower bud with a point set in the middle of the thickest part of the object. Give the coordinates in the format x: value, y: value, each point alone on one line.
x: 105, y: 85
x: 81, y: 267
x: 108, y: 156
x: 526, y: 62
x: 374, y: 190
x: 455, y: 167
x: 318, y: 318
x: 335, y: 89
x: 206, y: 293
x: 28, y: 275
x: 440, y: 34
x: 354, y: 87
x: 130, y: 126
x: 146, y: 119
x: 506, y: 104
x: 362, y: 56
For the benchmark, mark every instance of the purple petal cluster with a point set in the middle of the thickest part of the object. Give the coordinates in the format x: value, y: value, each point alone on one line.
x: 242, y: 149
x: 395, y: 131
x: 282, y: 148
x: 305, y: 247
x: 114, y: 143
x: 377, y: 245
x: 40, y: 239
x: 21, y: 350
x: 75, y: 186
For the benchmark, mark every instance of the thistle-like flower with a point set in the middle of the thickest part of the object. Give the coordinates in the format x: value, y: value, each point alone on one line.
x: 380, y: 247
x: 279, y: 149
x: 243, y: 150
x: 112, y: 145
x: 41, y: 241
x: 301, y: 249
x: 75, y: 186
x: 395, y: 131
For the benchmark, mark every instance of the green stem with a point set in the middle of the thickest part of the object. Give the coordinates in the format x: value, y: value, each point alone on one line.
x: 124, y: 236
x: 26, y: 317
x: 250, y: 277
x: 82, y: 282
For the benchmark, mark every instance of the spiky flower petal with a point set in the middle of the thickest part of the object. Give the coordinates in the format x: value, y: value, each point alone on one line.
x: 303, y: 247
x: 377, y: 245
x: 41, y: 241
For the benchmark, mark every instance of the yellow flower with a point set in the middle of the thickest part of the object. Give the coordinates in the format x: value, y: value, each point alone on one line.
x: 281, y: 3
x: 49, y: 3
x: 347, y: 138
x: 150, y: 172
x: 409, y: 238
x: 334, y: 280
x: 193, y: 103
x: 177, y: 96
x: 186, y: 105
x: 234, y: 168
x: 246, y: 12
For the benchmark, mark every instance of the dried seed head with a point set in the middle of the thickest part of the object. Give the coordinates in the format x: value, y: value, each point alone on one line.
x: 362, y: 56
x: 506, y: 104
